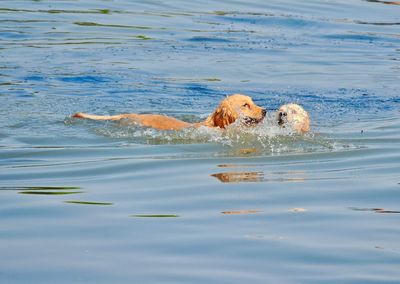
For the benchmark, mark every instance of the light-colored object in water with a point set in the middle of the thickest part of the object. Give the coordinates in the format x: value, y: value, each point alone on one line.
x: 298, y: 209
x: 295, y: 116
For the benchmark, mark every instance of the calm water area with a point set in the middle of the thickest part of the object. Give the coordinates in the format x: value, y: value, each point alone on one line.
x: 113, y: 202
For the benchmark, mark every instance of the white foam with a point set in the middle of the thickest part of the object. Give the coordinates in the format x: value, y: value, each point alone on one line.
x: 266, y: 137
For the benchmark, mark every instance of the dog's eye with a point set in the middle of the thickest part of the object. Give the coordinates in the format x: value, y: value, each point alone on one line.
x: 246, y: 105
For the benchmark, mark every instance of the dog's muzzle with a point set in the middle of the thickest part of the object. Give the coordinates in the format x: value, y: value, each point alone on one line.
x: 251, y: 120
x: 281, y: 118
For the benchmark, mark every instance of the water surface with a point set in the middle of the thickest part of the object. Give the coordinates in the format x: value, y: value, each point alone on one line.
x: 106, y: 202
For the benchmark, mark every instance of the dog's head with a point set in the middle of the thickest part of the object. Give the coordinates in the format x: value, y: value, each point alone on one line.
x: 234, y: 107
x: 294, y: 115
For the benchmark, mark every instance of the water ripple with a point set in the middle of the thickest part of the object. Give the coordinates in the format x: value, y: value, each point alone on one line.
x: 109, y: 202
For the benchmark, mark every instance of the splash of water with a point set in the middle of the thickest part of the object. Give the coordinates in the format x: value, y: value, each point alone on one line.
x: 266, y: 137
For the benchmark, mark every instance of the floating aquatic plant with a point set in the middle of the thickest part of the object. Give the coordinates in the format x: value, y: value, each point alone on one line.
x: 87, y: 202
x: 155, y: 216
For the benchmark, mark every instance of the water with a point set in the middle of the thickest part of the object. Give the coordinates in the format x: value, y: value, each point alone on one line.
x: 105, y: 202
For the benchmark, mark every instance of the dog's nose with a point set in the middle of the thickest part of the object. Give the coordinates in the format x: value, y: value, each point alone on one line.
x: 264, y: 112
x: 281, y: 115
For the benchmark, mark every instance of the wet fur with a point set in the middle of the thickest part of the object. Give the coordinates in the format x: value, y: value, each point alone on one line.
x: 229, y: 110
x: 295, y: 116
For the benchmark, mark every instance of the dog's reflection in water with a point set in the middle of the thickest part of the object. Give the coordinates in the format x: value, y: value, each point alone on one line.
x: 258, y: 176
x: 240, y: 176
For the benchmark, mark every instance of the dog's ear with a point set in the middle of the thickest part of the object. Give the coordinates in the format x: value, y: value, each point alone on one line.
x: 222, y: 117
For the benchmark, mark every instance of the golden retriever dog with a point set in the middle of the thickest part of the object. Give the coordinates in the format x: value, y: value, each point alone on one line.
x: 229, y: 110
x: 295, y: 116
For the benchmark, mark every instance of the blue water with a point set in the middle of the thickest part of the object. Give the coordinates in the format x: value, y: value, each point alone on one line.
x: 106, y: 202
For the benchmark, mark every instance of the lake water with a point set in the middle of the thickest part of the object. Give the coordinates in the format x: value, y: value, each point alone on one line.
x: 106, y: 202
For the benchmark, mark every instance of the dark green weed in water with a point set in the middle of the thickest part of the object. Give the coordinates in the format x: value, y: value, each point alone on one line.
x: 221, y: 13
x: 92, y: 24
x: 30, y: 188
x: 45, y: 190
x: 87, y: 202
x: 50, y: 192
x: 143, y: 37
x: 212, y: 79
x: 104, y: 11
x: 155, y: 216
x: 58, y: 11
